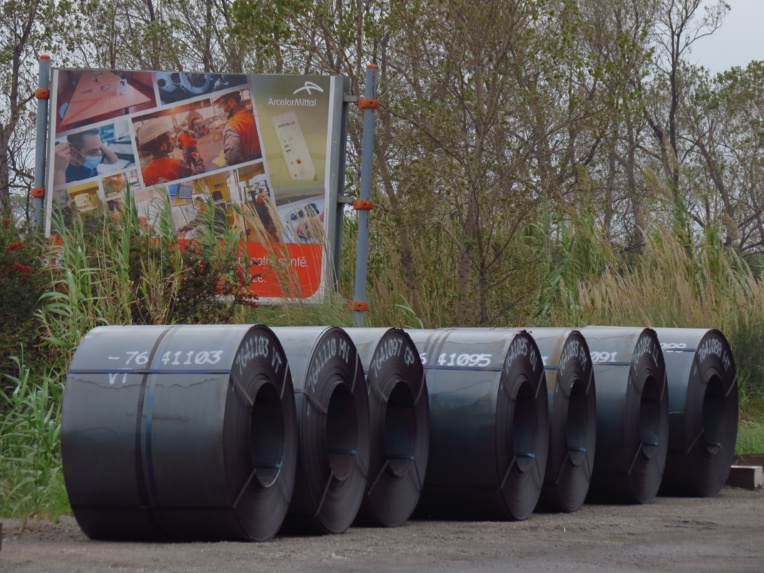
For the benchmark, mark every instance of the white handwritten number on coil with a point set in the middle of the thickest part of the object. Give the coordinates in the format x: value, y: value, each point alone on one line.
x: 600, y: 357
x: 180, y: 358
x: 177, y: 358
x: 460, y: 360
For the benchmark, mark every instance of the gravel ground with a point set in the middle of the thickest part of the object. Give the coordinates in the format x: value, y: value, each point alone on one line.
x: 724, y: 533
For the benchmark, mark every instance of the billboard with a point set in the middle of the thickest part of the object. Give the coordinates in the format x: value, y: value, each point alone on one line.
x: 265, y: 150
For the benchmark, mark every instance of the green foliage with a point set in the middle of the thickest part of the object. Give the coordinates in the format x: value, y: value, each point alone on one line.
x: 102, y: 272
x: 675, y: 282
x: 747, y: 339
x: 22, y: 282
x: 332, y: 313
x: 750, y: 436
x: 266, y: 21
x: 576, y: 254
x: 31, y: 479
x: 121, y: 273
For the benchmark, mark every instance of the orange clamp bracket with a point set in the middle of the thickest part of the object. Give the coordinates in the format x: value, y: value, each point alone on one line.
x: 38, y: 192
x: 40, y: 93
x: 368, y: 103
x: 363, y: 204
x: 358, y: 305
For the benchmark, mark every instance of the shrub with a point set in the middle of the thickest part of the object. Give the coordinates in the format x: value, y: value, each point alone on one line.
x: 22, y: 282
x: 120, y: 272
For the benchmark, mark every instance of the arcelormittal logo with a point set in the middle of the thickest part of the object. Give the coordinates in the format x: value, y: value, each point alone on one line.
x: 308, y: 87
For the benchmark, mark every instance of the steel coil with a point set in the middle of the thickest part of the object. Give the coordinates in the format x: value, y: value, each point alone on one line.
x: 572, y: 417
x: 400, y: 424
x: 488, y: 423
x: 333, y: 419
x: 632, y: 413
x: 179, y: 432
x: 703, y: 410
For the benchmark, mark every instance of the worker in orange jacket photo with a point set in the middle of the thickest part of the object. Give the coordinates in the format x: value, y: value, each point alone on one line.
x: 240, y: 140
x: 154, y: 140
x: 191, y: 155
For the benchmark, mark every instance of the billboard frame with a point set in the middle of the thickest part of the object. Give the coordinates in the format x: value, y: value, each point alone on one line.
x: 334, y: 176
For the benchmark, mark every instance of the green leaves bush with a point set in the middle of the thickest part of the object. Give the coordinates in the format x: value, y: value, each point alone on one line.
x: 22, y: 281
x: 122, y: 272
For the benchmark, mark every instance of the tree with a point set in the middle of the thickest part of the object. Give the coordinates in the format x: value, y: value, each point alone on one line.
x: 726, y: 136
x: 27, y: 29
x: 677, y: 28
x: 458, y: 76
x: 615, y: 39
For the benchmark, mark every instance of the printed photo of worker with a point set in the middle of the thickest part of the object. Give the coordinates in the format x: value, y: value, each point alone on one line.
x: 85, y: 97
x: 192, y: 215
x: 160, y: 150
x: 192, y: 200
x: 92, y: 152
x: 241, y: 142
x: 180, y: 142
x: 149, y: 203
x: 115, y: 186
x: 258, y: 217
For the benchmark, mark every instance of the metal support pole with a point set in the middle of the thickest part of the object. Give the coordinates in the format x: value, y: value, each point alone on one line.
x: 340, y: 192
x: 42, y: 94
x: 369, y: 105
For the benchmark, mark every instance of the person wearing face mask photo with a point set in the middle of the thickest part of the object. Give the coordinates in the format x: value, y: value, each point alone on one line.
x: 80, y: 155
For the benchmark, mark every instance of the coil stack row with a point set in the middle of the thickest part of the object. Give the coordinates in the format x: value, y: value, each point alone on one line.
x: 200, y: 432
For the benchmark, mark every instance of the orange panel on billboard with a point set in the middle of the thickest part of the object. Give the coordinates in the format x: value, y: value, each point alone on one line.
x: 285, y: 270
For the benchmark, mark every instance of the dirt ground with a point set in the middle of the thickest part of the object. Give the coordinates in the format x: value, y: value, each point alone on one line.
x: 725, y: 533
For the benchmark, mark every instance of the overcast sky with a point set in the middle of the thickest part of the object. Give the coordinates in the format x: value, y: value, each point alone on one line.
x: 737, y: 42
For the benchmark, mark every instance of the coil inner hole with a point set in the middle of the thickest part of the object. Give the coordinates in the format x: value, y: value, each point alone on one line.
x: 400, y: 429
x: 342, y: 432
x: 266, y: 435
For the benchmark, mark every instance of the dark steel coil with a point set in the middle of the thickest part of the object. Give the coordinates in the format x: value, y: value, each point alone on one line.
x: 179, y: 432
x: 488, y: 423
x: 400, y: 424
x: 572, y: 417
x: 632, y: 413
x: 703, y: 410
x: 333, y: 419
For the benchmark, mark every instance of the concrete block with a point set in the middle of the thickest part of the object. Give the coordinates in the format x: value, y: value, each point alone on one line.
x: 746, y: 477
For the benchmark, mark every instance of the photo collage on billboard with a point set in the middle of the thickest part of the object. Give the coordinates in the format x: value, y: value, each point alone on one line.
x: 253, y: 148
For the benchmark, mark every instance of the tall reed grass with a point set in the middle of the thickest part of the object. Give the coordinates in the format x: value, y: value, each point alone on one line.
x: 31, y: 480
x: 565, y: 274
x: 672, y: 283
